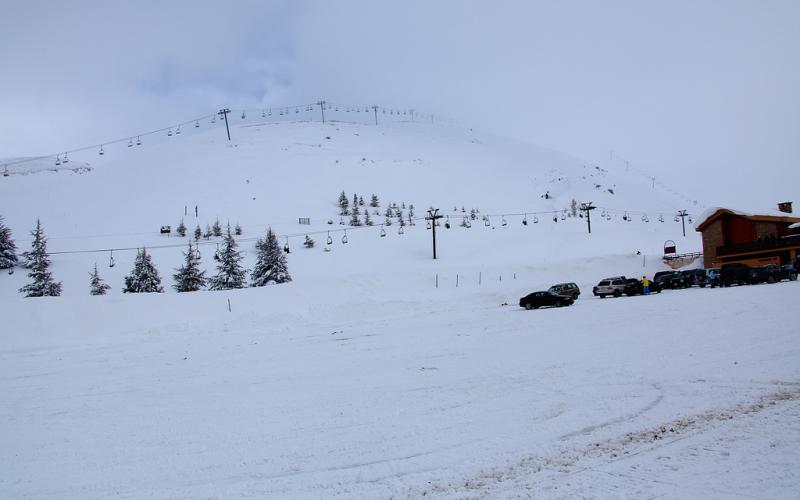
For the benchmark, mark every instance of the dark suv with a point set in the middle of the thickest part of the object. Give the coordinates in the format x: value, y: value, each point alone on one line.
x: 536, y: 300
x: 694, y: 277
x: 567, y: 289
x: 610, y: 286
x: 668, y: 279
x: 712, y: 277
x: 772, y: 273
x: 736, y: 274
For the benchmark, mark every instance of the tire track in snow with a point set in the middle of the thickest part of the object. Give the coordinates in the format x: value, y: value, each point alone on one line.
x: 534, y: 472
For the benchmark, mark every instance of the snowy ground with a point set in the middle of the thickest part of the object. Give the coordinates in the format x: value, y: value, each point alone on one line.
x: 361, y: 378
x: 377, y: 389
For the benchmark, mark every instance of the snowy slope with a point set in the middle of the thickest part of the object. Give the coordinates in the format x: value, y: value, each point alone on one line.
x: 388, y: 389
x: 271, y: 174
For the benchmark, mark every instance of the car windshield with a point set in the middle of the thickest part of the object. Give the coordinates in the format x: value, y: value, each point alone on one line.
x: 604, y: 283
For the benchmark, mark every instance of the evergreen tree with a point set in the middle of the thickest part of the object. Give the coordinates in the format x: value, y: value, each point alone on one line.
x: 189, y: 277
x: 308, y: 243
x: 8, y: 249
x: 367, y: 218
x: 400, y: 219
x: 411, y: 215
x: 387, y: 221
x: 98, y: 286
x: 343, y: 204
x: 355, y: 220
x: 389, y: 212
x: 208, y: 234
x: 230, y: 273
x: 216, y: 229
x: 271, y: 264
x: 197, y: 233
x: 237, y: 230
x: 144, y: 276
x: 573, y: 208
x: 355, y: 201
x: 42, y: 284
x: 361, y: 201
x: 181, y: 229
x: 374, y: 201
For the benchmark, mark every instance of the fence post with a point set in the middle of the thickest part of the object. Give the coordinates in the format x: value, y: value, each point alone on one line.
x: 456, y: 280
x: 437, y: 280
x: 479, y: 278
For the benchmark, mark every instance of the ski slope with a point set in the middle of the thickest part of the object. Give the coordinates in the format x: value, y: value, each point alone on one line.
x: 379, y: 372
x: 272, y: 174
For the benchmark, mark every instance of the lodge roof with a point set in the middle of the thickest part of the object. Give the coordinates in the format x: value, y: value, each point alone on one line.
x: 715, y: 213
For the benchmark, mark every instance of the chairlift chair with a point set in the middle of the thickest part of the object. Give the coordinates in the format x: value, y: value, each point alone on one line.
x: 65, y: 159
x: 111, y: 262
x: 263, y: 114
x: 169, y: 133
x: 178, y: 130
x: 486, y: 222
x: 447, y: 222
x: 101, y: 152
x: 400, y: 230
x: 525, y: 220
x: 243, y: 115
x: 535, y: 219
x: 503, y: 221
x: 58, y: 160
x: 428, y: 225
x: 383, y: 231
x: 330, y: 240
x: 130, y: 142
x: 344, y: 238
x: 138, y: 141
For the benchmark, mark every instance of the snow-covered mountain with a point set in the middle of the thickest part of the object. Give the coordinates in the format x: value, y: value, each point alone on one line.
x: 273, y: 174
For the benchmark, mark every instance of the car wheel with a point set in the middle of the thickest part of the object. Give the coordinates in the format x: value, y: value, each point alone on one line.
x: 702, y: 285
x: 528, y: 306
x: 601, y: 295
x: 617, y: 293
x: 793, y: 277
x: 770, y: 279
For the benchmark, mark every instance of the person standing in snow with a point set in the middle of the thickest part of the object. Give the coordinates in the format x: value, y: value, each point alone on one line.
x: 645, y: 286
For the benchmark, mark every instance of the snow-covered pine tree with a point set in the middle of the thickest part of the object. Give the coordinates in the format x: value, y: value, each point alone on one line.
x: 389, y: 212
x: 400, y: 219
x: 216, y: 229
x: 198, y: 233
x: 355, y: 219
x: 98, y: 286
x: 271, y: 264
x: 387, y: 221
x: 144, y: 276
x: 411, y: 215
x: 181, y: 229
x: 367, y: 218
x: 208, y: 233
x: 355, y: 200
x: 360, y: 201
x: 189, y: 277
x: 8, y: 249
x: 573, y: 208
x: 237, y: 230
x: 230, y: 273
x: 42, y: 284
x: 374, y: 201
x: 473, y: 214
x: 343, y: 204
x: 308, y: 243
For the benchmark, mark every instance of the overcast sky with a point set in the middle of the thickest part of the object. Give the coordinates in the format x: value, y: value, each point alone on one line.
x: 709, y: 89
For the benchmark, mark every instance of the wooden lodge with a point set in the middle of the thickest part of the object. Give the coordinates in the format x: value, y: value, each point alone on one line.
x: 754, y: 239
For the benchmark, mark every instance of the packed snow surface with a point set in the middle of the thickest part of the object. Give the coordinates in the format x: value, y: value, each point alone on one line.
x: 379, y: 372
x: 378, y: 388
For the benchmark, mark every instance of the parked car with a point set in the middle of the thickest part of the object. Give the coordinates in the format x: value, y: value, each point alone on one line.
x: 694, y: 277
x: 735, y: 274
x: 536, y: 300
x: 610, y: 286
x: 772, y: 273
x: 668, y: 279
x: 713, y: 277
x: 634, y: 287
x: 567, y: 289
